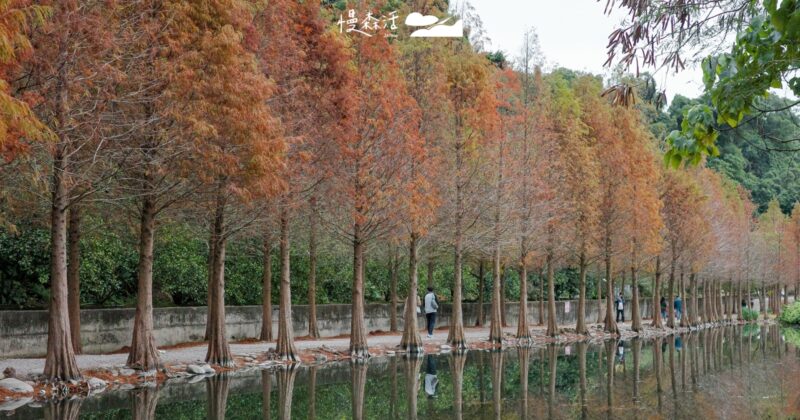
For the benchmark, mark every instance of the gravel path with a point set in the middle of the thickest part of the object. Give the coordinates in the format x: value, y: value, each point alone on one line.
x: 197, y: 353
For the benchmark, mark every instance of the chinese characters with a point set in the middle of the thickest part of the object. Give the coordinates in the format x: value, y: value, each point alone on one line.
x: 369, y: 25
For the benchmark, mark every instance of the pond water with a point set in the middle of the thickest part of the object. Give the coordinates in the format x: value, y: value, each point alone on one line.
x: 732, y: 372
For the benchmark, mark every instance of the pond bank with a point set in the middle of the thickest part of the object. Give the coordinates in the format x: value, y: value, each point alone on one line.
x: 183, y: 363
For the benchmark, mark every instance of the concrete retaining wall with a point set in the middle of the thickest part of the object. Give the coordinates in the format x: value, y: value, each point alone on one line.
x: 24, y: 333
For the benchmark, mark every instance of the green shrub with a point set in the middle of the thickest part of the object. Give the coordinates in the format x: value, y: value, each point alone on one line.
x: 791, y: 314
x: 749, y: 314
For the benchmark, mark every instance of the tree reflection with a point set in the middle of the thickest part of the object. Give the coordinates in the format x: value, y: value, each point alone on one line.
x: 552, y: 362
x: 217, y: 391
x: 266, y: 393
x: 358, y: 380
x: 582, y: 373
x: 657, y: 364
x: 610, y: 345
x: 286, y: 376
x: 144, y: 402
x: 412, y: 365
x: 312, y: 392
x: 497, y: 382
x: 457, y: 361
x: 66, y: 409
x: 636, y: 348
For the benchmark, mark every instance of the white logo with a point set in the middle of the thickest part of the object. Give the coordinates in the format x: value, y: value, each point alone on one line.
x: 433, y: 27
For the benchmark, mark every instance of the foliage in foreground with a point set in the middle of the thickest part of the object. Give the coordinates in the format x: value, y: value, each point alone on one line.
x: 790, y: 314
x: 749, y: 314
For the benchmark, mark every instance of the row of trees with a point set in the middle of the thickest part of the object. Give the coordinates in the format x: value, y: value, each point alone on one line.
x: 245, y: 116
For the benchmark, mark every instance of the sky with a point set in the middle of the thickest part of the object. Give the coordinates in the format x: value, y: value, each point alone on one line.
x: 572, y: 34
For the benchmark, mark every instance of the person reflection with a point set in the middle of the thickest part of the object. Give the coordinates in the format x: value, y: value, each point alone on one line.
x: 620, y: 353
x: 431, y: 381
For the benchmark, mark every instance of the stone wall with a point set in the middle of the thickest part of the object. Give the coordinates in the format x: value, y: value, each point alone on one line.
x: 24, y: 333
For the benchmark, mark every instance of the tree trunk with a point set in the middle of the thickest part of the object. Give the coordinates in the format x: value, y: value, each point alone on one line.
x: 580, y: 326
x: 313, y: 330
x: 600, y: 317
x: 285, y: 344
x: 358, y: 331
x: 657, y: 296
x: 685, y: 315
x: 523, y: 329
x: 455, y: 336
x: 60, y: 363
x: 144, y: 354
x: 670, y: 293
x: 503, y: 276
x: 430, y: 273
x: 541, y: 296
x: 210, y: 291
x: 266, y: 291
x: 73, y: 276
x: 636, y: 317
x: 611, y: 323
x: 481, y: 289
x: 219, y: 351
x: 393, y: 268
x: 411, y: 341
x: 693, y: 313
x: 552, y: 327
x: 495, y: 329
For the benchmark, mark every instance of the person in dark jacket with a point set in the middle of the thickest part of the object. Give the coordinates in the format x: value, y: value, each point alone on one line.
x: 431, y: 306
x: 663, y: 307
x: 620, y: 304
x: 678, y: 306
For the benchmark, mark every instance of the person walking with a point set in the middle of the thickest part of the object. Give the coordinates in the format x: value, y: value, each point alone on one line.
x: 620, y: 303
x: 431, y: 305
x: 663, y: 307
x: 678, y: 306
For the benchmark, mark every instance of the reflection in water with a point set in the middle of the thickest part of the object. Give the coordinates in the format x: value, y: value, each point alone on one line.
x: 412, y: 366
x: 217, y: 391
x: 523, y: 358
x: 145, y: 401
x: 67, y: 409
x: 266, y: 393
x: 737, y: 372
x: 497, y: 383
x: 358, y: 381
x: 457, y: 361
x: 286, y: 377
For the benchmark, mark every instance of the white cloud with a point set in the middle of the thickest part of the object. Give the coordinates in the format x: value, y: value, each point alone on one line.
x: 417, y: 19
x: 455, y: 30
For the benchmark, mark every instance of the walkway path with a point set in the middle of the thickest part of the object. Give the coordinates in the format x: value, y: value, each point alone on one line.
x: 196, y: 353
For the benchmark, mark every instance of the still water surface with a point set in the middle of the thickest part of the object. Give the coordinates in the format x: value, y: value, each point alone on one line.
x: 727, y: 373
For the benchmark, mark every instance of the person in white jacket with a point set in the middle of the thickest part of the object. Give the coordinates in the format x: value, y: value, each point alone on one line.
x: 431, y: 305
